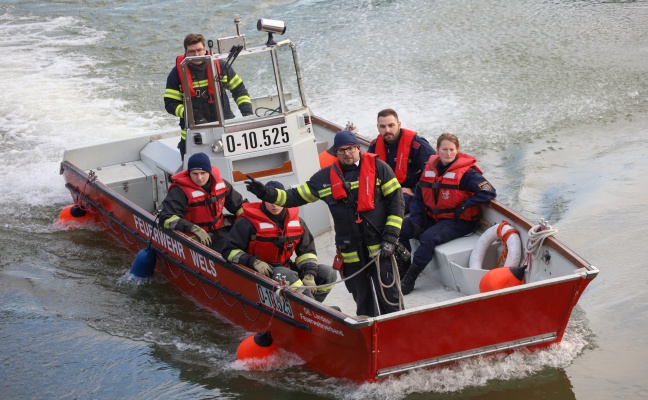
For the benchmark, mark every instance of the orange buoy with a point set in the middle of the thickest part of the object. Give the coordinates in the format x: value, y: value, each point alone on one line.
x: 500, y: 278
x: 259, y: 346
x: 73, y: 213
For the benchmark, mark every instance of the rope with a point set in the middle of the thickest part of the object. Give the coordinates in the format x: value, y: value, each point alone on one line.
x: 395, y: 282
x: 282, y: 287
x: 90, y: 179
x: 537, y: 235
x: 504, y: 238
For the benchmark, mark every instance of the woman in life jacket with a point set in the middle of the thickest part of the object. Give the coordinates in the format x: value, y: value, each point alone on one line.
x: 445, y: 204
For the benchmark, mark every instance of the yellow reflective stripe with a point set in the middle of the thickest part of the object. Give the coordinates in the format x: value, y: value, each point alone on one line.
x: 373, y: 249
x: 306, y: 256
x: 232, y: 253
x: 354, y: 184
x: 325, y: 192
x: 173, y: 94
x: 305, y: 193
x: 325, y: 289
x: 170, y: 220
x: 239, y: 211
x: 233, y: 84
x: 201, y: 83
x: 352, y: 257
x: 395, y: 221
x: 183, y: 134
x: 179, y: 111
x: 243, y: 99
x: 297, y: 284
x: 390, y: 186
x: 281, y: 198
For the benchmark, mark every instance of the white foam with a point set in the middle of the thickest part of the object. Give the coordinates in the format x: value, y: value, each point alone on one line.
x: 53, y: 95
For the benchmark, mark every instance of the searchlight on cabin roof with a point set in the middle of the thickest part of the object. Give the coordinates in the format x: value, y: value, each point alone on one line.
x: 271, y: 26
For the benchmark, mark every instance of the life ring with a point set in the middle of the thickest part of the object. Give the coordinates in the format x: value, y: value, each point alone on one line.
x: 509, y: 236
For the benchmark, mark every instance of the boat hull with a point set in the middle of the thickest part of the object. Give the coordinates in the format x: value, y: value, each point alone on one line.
x: 331, y: 342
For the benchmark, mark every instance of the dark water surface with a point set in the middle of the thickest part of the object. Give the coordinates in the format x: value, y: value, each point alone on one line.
x: 552, y: 97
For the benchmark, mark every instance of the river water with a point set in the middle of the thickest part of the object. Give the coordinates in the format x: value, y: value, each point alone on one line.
x: 551, y: 96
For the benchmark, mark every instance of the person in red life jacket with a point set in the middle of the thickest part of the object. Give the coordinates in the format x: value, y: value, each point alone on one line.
x: 403, y: 150
x: 202, y: 89
x: 266, y: 236
x: 445, y: 204
x: 366, y: 202
x: 196, y: 200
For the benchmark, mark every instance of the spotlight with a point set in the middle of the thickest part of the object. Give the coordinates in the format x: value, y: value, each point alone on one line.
x: 271, y: 26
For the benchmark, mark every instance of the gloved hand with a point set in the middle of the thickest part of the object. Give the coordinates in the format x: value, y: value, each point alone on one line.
x: 309, y: 280
x: 202, y: 236
x: 387, y: 248
x: 458, y: 211
x: 417, y: 231
x: 263, y: 268
x: 255, y: 187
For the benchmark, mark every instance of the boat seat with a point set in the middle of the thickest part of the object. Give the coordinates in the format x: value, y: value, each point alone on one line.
x: 449, y: 267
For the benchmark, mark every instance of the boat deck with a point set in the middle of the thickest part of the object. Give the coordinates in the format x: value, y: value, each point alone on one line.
x: 426, y: 291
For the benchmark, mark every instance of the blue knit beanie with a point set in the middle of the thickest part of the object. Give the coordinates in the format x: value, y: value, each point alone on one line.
x: 276, y: 185
x: 199, y: 161
x: 345, y: 138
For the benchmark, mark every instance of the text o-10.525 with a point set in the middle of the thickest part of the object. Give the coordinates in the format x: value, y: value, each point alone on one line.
x: 264, y: 138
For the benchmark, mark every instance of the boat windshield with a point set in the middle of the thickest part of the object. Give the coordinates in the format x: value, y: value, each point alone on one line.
x: 270, y: 77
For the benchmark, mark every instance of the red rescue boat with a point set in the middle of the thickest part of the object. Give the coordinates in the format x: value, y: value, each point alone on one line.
x: 120, y: 184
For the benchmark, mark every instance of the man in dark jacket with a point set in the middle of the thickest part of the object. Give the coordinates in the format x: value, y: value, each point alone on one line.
x: 266, y: 236
x: 403, y: 150
x: 366, y: 203
x: 196, y: 200
x: 201, y: 87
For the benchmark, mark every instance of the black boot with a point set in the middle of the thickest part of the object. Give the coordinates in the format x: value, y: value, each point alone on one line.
x: 407, y: 283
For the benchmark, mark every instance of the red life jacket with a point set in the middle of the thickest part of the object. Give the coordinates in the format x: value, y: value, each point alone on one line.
x: 366, y: 182
x: 402, y: 153
x: 441, y: 194
x: 270, y: 243
x: 205, y: 209
x: 210, y: 77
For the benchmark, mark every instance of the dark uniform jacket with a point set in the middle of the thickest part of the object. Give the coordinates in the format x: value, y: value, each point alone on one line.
x: 243, y: 230
x: 173, y: 96
x: 175, y: 204
x: 387, y: 215
x: 420, y: 152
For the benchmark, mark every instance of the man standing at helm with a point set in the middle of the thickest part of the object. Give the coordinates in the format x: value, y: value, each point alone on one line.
x: 201, y: 86
x: 366, y: 203
x: 403, y: 150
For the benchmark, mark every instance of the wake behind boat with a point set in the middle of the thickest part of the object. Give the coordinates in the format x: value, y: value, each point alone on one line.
x: 452, y: 314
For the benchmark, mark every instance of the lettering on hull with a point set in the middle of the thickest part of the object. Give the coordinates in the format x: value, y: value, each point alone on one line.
x: 173, y: 246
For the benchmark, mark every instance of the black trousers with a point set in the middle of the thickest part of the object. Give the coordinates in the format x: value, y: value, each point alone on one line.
x: 363, y: 286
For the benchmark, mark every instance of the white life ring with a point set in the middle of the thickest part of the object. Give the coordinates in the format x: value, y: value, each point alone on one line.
x: 513, y: 244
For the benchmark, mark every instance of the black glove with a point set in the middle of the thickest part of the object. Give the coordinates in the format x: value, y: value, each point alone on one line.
x: 255, y: 187
x: 386, y: 249
x: 387, y: 246
x: 417, y: 231
x: 458, y: 211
